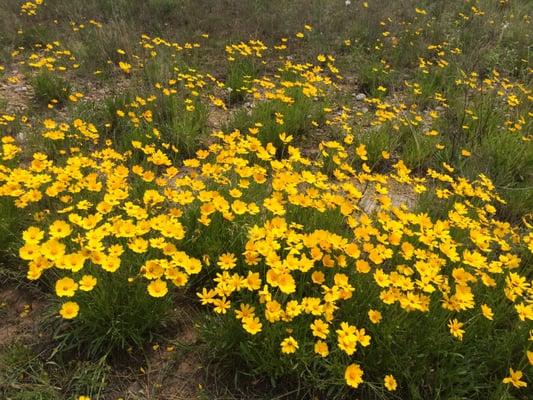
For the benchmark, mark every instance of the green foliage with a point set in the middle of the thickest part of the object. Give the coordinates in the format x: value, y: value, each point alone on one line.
x: 508, y: 161
x: 50, y: 88
x: 370, y: 72
x: 115, y: 316
x: 241, y: 72
x: 376, y: 141
x: 24, y: 377
x: 185, y: 130
x: 249, y: 365
x: 117, y: 128
x: 27, y: 374
x: 297, y: 118
x: 96, y: 48
x: 158, y: 70
x: 180, y: 128
x: 417, y: 150
x: 439, y: 366
x: 12, y: 222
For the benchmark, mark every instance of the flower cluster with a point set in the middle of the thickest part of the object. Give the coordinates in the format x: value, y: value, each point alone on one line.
x: 309, y: 246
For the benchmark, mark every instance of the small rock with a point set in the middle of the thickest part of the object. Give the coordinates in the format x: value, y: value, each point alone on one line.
x: 360, y: 96
x: 135, y: 388
x: 439, y: 108
x: 364, y: 110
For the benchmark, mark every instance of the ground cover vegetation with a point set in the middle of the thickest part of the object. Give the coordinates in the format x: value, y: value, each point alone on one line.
x: 266, y: 200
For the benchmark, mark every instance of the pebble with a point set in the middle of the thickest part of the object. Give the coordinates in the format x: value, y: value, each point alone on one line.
x: 360, y: 96
x: 21, y: 136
